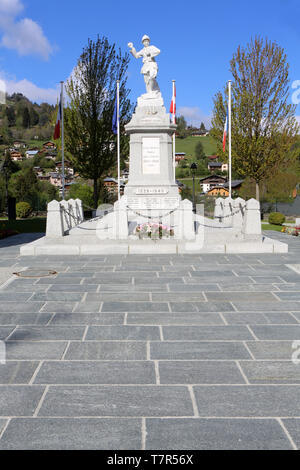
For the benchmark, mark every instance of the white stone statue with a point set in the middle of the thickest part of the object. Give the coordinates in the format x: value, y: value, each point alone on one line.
x: 150, y: 68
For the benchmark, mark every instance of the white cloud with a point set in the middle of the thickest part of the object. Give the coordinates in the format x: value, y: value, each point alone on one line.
x: 32, y: 91
x: 27, y: 38
x: 194, y: 116
x: 25, y: 35
x: 11, y: 7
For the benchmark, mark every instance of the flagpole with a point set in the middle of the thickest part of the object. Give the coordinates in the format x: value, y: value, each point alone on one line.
x: 118, y: 144
x: 229, y: 136
x: 62, y: 141
x: 174, y: 135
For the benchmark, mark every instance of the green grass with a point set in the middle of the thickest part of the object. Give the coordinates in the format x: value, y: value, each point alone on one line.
x: 188, y: 145
x: 34, y: 225
x: 266, y: 226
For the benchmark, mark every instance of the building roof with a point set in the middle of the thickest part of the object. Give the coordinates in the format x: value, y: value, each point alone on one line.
x: 213, y: 177
x: 215, y: 164
x: 32, y: 152
x: 234, y: 183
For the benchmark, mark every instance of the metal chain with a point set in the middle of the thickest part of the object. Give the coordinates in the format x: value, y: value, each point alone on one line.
x: 149, y: 216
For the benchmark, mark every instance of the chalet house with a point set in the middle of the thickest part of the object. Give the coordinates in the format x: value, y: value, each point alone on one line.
x: 200, y: 133
x: 213, y: 166
x: 56, y: 179
x: 235, y: 184
x: 224, y: 167
x: 211, y: 181
x: 218, y: 191
x: 42, y: 177
x: 49, y: 146
x: 18, y: 144
x: 31, y: 153
x: 111, y: 184
x: 16, y: 156
x: 213, y: 158
x: 38, y: 171
x: 68, y: 168
x: 50, y: 156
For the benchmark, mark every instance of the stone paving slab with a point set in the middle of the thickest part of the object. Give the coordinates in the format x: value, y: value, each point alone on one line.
x: 134, y: 352
x: 122, y: 401
x: 198, y: 350
x: 96, y: 372
x: 72, y: 434
x: 293, y: 427
x: 271, y: 372
x: 24, y: 318
x: 203, y: 372
x: 14, y: 372
x: 19, y: 400
x: 216, y: 434
x: 107, y: 350
x: 248, y: 401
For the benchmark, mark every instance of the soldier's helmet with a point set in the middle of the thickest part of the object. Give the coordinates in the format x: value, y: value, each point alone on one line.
x: 145, y: 38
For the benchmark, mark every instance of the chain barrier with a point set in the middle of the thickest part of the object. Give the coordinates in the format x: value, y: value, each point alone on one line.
x: 149, y: 216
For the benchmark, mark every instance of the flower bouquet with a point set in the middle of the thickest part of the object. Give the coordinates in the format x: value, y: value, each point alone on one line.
x: 154, y: 230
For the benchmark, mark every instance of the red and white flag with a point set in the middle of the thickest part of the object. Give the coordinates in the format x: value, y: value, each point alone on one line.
x: 58, y: 122
x: 225, y: 132
x: 173, y: 104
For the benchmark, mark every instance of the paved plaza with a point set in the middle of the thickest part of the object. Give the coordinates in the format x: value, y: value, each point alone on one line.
x: 150, y: 352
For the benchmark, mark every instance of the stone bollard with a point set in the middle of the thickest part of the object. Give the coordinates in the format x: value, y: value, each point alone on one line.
x: 120, y: 221
x: 185, y: 225
x: 54, y: 227
x: 219, y: 207
x: 66, y: 215
x: 72, y: 210
x: 228, y: 210
x: 252, y: 222
x: 80, y: 214
x: 239, y: 207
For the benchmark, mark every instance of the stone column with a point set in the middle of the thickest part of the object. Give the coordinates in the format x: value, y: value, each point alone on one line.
x: 252, y: 222
x: 80, y: 214
x: 120, y: 221
x: 227, y: 214
x: 218, y: 213
x: 184, y: 221
x: 239, y: 206
x: 72, y: 210
x: 54, y: 227
x: 65, y: 215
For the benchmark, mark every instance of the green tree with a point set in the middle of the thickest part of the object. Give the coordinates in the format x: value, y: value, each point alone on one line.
x: 199, y: 152
x: 25, y: 118
x: 88, y: 119
x: 263, y: 121
x: 181, y: 131
x: 84, y: 192
x: 33, y: 116
x: 202, y: 127
x: 11, y: 116
x: 24, y: 185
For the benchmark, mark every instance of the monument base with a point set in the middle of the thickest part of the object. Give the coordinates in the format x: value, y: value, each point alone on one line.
x: 90, y: 245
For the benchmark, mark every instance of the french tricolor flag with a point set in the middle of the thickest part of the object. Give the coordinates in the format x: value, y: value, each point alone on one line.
x: 58, y: 122
x: 173, y: 104
x: 225, y: 132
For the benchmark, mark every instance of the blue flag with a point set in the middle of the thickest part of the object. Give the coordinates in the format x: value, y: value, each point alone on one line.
x: 115, y: 119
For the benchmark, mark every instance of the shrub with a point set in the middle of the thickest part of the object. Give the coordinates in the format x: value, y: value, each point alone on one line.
x: 276, y: 218
x: 23, y: 210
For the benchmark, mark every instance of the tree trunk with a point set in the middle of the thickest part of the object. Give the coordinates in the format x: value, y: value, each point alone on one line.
x: 257, y: 190
x: 96, y: 193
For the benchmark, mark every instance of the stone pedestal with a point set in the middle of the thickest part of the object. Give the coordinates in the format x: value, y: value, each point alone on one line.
x: 151, y: 187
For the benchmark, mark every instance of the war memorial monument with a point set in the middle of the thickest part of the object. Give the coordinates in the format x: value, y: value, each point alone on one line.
x: 151, y: 217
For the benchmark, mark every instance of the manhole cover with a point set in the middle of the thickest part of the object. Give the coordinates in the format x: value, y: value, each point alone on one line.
x: 30, y: 273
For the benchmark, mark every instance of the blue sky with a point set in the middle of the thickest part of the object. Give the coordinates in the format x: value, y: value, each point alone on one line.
x: 40, y: 42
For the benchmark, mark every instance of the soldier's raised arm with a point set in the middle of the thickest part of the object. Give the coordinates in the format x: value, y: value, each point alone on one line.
x: 135, y: 54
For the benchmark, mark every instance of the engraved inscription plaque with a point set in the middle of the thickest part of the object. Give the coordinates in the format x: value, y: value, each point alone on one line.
x: 151, y: 155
